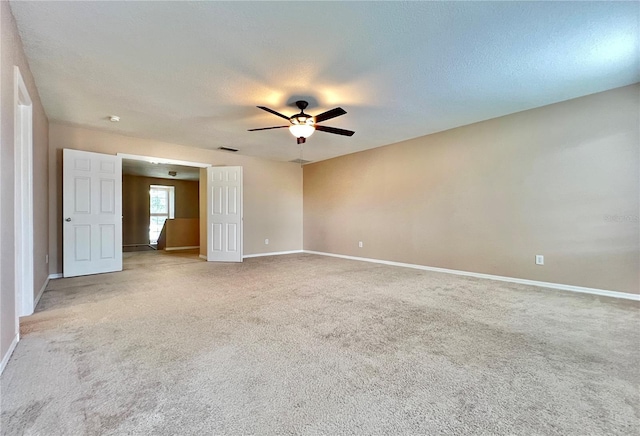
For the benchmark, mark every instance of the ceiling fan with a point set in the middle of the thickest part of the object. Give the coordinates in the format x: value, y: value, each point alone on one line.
x: 303, y: 125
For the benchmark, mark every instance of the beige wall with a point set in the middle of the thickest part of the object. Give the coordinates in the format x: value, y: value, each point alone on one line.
x: 272, y: 190
x: 561, y: 181
x: 135, y: 205
x: 12, y: 53
x: 183, y: 232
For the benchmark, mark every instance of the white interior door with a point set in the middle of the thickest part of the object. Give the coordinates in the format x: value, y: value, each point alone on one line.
x: 224, y: 214
x: 92, y: 213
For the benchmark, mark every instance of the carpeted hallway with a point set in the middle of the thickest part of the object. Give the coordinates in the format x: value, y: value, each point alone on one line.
x: 305, y: 344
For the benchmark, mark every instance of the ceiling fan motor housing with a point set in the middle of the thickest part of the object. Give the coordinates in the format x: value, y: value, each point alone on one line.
x: 302, y: 118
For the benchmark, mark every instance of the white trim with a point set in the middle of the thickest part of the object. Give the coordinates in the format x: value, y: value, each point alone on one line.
x: 1, y: 207
x: 163, y: 160
x: 55, y: 276
x: 7, y: 356
x: 275, y: 253
x: 202, y: 256
x: 23, y: 197
x: 181, y: 248
x: 602, y: 292
x: 35, y: 303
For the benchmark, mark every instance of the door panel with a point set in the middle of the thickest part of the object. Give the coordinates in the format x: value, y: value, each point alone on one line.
x: 82, y: 242
x: 224, y: 215
x: 82, y: 194
x: 107, y: 241
x: 92, y: 213
x: 107, y: 196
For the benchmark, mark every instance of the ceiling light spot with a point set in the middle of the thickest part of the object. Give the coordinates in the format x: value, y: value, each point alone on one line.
x: 114, y: 118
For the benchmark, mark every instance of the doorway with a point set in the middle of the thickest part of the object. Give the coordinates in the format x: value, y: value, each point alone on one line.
x: 161, y: 204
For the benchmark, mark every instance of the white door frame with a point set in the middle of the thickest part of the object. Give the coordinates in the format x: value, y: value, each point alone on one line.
x: 162, y: 160
x: 23, y: 196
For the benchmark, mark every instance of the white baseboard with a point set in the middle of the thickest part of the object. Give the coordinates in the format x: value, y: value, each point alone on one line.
x: 202, y: 256
x: 571, y: 288
x: 181, y: 248
x: 55, y: 276
x: 275, y: 253
x: 7, y: 356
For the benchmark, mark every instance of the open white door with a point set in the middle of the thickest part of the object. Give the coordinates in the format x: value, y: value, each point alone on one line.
x: 224, y: 214
x: 92, y: 213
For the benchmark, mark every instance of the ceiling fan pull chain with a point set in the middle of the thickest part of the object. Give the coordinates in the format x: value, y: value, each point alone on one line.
x: 301, y: 157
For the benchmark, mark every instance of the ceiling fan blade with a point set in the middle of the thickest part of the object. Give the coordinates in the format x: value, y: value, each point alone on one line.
x: 330, y: 114
x: 268, y: 128
x: 273, y: 112
x: 335, y: 130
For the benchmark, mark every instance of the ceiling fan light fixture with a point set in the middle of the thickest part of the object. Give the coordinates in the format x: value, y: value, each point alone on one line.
x: 302, y: 130
x: 303, y: 125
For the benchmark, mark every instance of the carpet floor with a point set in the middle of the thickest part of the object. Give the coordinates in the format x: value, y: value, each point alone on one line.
x: 305, y: 344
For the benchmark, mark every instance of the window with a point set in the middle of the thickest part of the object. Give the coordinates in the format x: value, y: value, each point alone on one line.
x: 161, y: 208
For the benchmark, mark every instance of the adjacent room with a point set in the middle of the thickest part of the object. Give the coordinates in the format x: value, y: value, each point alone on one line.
x: 319, y: 218
x: 160, y: 206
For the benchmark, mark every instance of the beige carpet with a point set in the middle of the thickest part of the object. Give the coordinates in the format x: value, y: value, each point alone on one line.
x: 304, y: 344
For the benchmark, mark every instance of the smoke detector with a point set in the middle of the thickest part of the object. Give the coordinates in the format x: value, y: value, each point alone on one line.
x: 114, y: 118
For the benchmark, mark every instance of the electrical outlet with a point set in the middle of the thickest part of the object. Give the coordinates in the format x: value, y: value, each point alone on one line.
x: 360, y: 244
x: 539, y: 259
x: 266, y: 241
x: 46, y: 258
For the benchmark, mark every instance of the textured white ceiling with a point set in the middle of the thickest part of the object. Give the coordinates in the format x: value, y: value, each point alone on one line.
x: 192, y: 72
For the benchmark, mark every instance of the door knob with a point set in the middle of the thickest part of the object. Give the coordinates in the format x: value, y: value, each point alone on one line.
x: 68, y: 220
